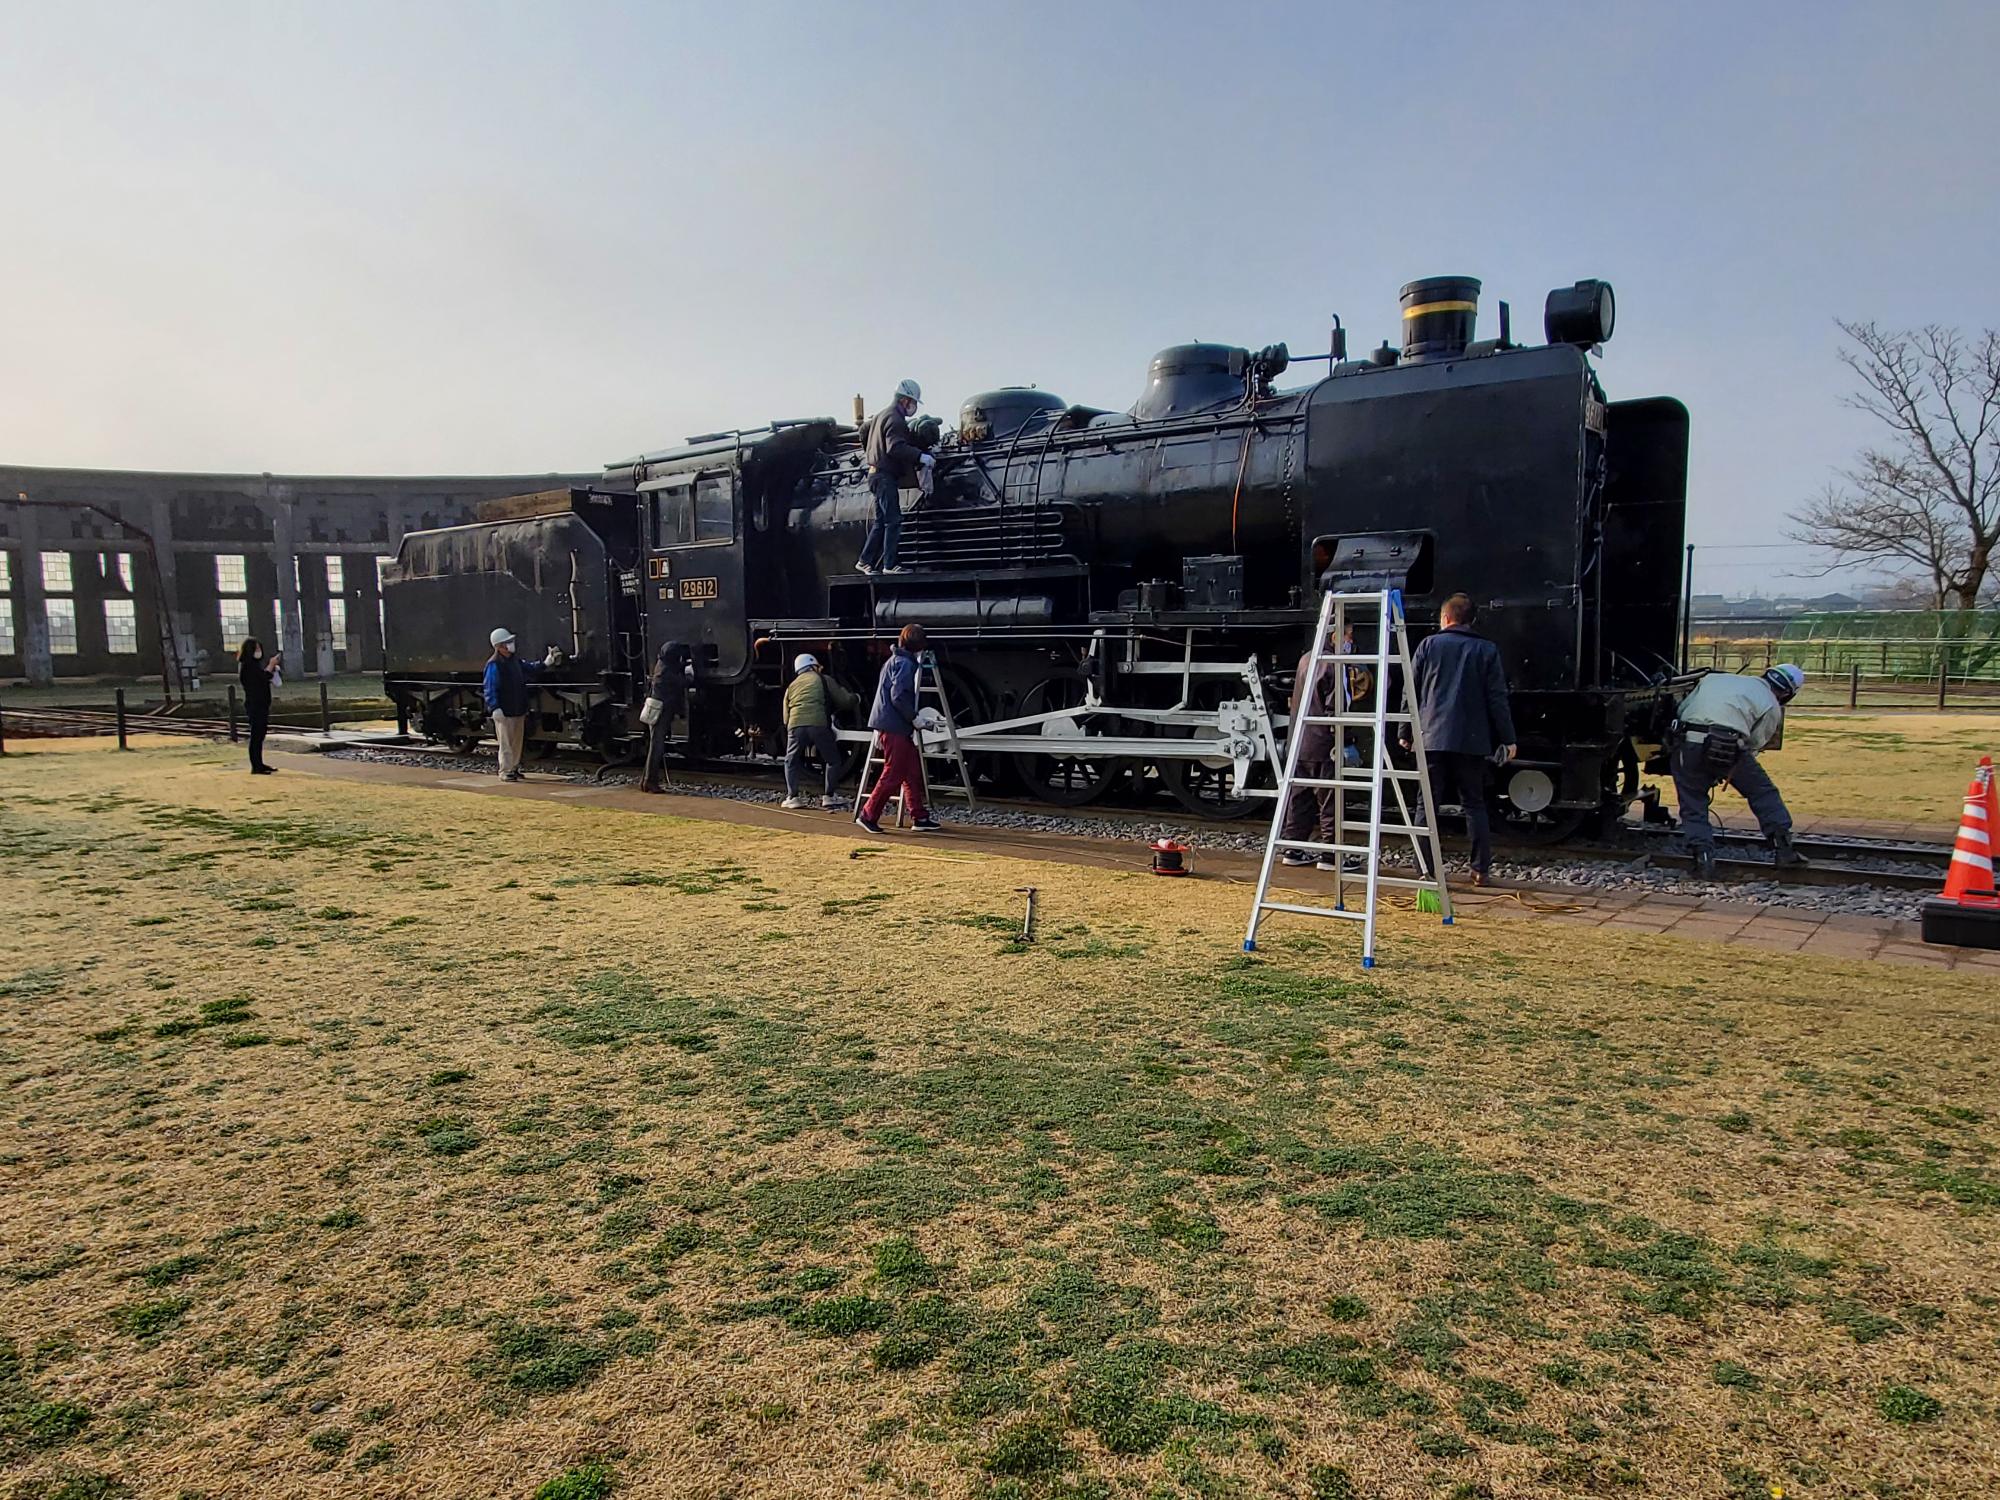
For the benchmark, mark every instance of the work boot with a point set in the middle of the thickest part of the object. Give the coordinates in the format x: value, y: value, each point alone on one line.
x: 1704, y: 863
x: 1784, y: 855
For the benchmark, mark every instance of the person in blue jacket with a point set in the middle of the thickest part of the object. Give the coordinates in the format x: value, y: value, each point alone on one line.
x: 894, y: 720
x: 1468, y: 724
x: 507, y: 698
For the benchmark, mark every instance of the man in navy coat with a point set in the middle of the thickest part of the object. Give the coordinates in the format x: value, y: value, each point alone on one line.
x: 1468, y: 726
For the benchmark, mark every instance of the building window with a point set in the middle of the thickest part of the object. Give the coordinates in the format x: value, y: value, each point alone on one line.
x: 121, y: 628
x: 231, y: 577
x: 6, y: 625
x: 235, y: 615
x: 55, y: 573
x: 335, y: 577
x: 118, y: 565
x: 62, y: 626
x: 336, y: 619
x: 6, y: 572
x: 278, y: 623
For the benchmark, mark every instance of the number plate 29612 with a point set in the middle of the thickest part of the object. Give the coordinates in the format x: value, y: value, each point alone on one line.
x: 698, y: 588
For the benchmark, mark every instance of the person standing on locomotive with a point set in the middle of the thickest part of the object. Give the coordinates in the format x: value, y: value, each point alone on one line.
x: 1461, y: 688
x: 894, y: 720
x: 893, y: 458
x: 668, y: 683
x: 810, y: 699
x: 1721, y: 726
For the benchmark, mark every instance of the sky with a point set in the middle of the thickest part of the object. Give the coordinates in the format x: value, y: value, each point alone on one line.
x: 513, y: 238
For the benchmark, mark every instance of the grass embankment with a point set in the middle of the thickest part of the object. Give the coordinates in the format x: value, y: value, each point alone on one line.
x: 381, y: 1141
x: 1891, y: 768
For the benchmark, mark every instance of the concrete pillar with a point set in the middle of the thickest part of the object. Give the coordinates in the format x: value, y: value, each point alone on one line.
x: 286, y: 561
x: 36, y: 663
x: 160, y: 522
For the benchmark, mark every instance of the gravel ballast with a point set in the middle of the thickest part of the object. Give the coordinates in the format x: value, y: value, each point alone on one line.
x: 1554, y: 869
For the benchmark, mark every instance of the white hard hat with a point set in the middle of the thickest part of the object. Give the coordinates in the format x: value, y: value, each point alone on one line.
x: 1794, y: 676
x: 501, y: 636
x: 911, y: 389
x: 803, y: 661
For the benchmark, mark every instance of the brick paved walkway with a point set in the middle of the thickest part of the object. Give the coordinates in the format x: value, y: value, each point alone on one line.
x: 1781, y: 930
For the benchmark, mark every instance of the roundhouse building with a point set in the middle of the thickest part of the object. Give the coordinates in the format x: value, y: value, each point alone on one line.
x: 87, y: 554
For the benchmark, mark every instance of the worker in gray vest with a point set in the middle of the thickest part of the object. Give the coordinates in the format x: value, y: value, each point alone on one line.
x: 894, y: 460
x: 1721, y: 726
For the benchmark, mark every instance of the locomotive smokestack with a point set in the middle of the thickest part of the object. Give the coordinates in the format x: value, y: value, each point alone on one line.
x: 1438, y: 316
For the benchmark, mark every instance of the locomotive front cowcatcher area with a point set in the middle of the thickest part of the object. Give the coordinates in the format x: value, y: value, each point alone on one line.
x: 366, y: 1140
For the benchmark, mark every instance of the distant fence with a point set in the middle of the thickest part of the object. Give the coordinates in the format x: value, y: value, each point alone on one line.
x: 1900, y: 658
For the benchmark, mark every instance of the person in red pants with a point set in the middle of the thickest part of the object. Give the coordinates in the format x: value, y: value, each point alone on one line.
x: 894, y: 720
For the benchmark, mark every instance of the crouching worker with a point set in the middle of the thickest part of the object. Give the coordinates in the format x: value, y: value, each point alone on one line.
x: 894, y: 720
x: 810, y: 700
x: 1722, y: 725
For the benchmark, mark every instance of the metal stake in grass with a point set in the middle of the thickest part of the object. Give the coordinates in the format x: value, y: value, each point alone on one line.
x: 1027, y: 921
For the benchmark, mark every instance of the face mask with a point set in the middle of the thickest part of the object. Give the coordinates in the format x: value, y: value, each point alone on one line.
x: 258, y: 654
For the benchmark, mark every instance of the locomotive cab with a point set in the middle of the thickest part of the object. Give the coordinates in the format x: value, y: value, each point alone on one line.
x: 694, y: 568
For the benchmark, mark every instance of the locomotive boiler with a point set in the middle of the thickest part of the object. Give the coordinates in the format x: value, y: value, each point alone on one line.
x: 1117, y: 598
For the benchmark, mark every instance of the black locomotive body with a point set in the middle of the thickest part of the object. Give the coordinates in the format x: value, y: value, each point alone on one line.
x: 1110, y: 591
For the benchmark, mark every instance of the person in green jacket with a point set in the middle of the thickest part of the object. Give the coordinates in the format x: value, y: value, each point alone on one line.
x: 809, y: 700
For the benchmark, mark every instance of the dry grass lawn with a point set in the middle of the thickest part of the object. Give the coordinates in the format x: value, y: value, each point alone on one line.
x: 380, y: 1141
x: 1897, y: 768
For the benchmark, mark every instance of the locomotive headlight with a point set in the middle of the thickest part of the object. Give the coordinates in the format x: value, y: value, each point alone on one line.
x: 1581, y: 315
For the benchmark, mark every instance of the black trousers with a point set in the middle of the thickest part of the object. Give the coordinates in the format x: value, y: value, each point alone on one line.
x: 656, y: 748
x: 260, y: 723
x: 1461, y: 778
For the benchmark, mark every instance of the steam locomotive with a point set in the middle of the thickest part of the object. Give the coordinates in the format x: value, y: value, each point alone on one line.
x: 1117, y: 598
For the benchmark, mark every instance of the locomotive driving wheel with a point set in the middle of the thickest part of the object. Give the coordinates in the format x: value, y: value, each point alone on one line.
x: 1066, y: 773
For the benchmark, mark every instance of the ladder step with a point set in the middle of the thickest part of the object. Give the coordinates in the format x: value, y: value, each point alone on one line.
x: 1362, y: 784
x: 1310, y: 911
x: 1319, y: 848
x: 1364, y: 720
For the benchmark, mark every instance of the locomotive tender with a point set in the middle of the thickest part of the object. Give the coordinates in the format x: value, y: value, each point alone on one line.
x: 1116, y: 598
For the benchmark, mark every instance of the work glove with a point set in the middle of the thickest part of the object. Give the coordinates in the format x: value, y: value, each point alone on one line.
x: 928, y: 460
x: 555, y: 658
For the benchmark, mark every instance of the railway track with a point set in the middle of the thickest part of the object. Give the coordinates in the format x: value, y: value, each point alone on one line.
x: 57, y: 721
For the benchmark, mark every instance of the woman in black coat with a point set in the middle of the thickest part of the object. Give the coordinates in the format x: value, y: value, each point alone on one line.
x: 254, y: 670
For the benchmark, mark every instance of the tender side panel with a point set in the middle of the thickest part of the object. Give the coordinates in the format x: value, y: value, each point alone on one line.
x: 1646, y: 457
x: 544, y: 579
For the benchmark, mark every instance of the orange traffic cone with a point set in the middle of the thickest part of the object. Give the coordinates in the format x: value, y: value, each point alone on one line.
x: 1971, y: 872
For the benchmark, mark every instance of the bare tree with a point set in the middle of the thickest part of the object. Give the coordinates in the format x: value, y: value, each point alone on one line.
x: 1928, y: 501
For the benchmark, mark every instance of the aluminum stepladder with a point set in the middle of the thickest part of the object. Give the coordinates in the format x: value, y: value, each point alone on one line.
x: 1392, y: 648
x: 930, y: 682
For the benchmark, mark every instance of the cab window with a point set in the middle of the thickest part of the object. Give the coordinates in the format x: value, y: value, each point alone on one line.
x: 713, y: 521
x: 684, y: 516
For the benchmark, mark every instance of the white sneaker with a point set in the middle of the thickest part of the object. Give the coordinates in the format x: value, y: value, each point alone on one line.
x: 862, y: 567
x: 831, y: 804
x: 793, y: 804
x: 897, y: 569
